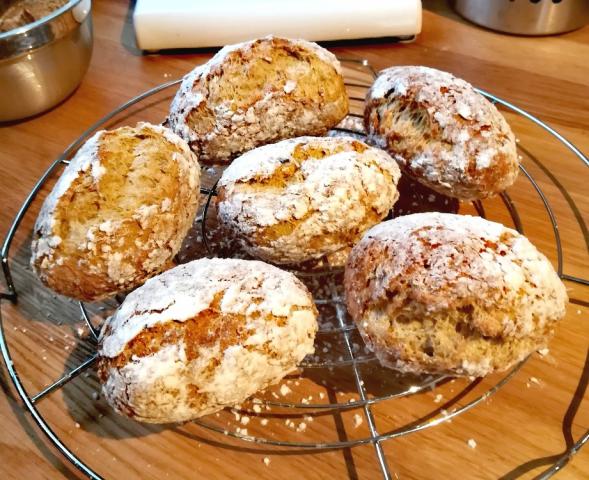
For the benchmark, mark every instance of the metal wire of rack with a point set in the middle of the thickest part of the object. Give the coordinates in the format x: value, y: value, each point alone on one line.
x: 334, y: 299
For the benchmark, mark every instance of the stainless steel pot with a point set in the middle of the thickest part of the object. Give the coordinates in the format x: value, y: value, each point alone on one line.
x: 43, y: 62
x: 526, y: 17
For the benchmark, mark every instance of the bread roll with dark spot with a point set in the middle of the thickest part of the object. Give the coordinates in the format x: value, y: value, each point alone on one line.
x: 442, y: 132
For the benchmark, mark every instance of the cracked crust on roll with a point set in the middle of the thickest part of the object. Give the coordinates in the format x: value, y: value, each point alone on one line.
x: 118, y: 213
x: 258, y: 92
x: 203, y: 336
x: 306, y: 198
x: 451, y: 294
x: 441, y: 132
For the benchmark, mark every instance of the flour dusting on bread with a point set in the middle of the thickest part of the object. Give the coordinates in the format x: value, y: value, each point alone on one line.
x: 304, y: 198
x: 202, y: 336
x: 442, y: 132
x: 443, y: 293
x: 257, y: 92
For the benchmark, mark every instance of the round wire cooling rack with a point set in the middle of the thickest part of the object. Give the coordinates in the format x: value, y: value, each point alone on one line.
x: 338, y: 345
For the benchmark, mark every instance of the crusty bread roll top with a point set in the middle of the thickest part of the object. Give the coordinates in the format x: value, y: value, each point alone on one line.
x: 258, y: 92
x: 441, y: 131
x: 118, y: 213
x: 443, y: 293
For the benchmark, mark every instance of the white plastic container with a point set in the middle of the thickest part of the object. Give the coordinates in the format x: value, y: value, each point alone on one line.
x: 163, y: 24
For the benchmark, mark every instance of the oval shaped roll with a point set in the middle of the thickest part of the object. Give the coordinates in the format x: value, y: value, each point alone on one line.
x: 442, y: 132
x: 452, y: 294
x: 306, y: 198
x: 258, y: 92
x: 203, y: 336
x: 118, y: 214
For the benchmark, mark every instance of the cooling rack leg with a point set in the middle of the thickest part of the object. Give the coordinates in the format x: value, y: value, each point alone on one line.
x: 478, y: 205
x: 565, y: 459
x: 11, y: 294
x: 570, y: 278
x: 65, y: 379
x: 341, y: 315
x: 37, y: 417
x: 94, y: 332
x: 508, y: 202
x: 552, y: 217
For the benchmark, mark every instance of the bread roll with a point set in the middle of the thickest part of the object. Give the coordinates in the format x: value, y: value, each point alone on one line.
x: 442, y: 132
x: 118, y: 214
x: 258, y: 92
x: 203, y: 336
x: 305, y: 198
x: 451, y: 294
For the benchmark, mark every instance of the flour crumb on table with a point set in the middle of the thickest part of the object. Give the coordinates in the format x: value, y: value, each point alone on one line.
x: 302, y: 427
x: 472, y: 443
x: 357, y: 420
x: 532, y: 380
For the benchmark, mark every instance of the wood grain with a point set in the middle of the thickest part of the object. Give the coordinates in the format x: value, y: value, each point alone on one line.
x: 518, y: 431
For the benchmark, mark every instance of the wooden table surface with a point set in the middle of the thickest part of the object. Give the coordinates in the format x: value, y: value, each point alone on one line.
x: 518, y: 432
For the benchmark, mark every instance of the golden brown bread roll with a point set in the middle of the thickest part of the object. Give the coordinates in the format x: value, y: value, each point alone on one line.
x: 203, y: 336
x: 258, y: 92
x: 441, y: 132
x: 118, y: 214
x: 305, y: 198
x: 453, y: 294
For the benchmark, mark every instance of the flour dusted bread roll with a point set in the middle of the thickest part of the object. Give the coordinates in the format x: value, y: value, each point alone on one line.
x: 203, y: 336
x: 305, y: 198
x: 442, y: 132
x: 454, y: 294
x: 258, y: 92
x: 118, y: 214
